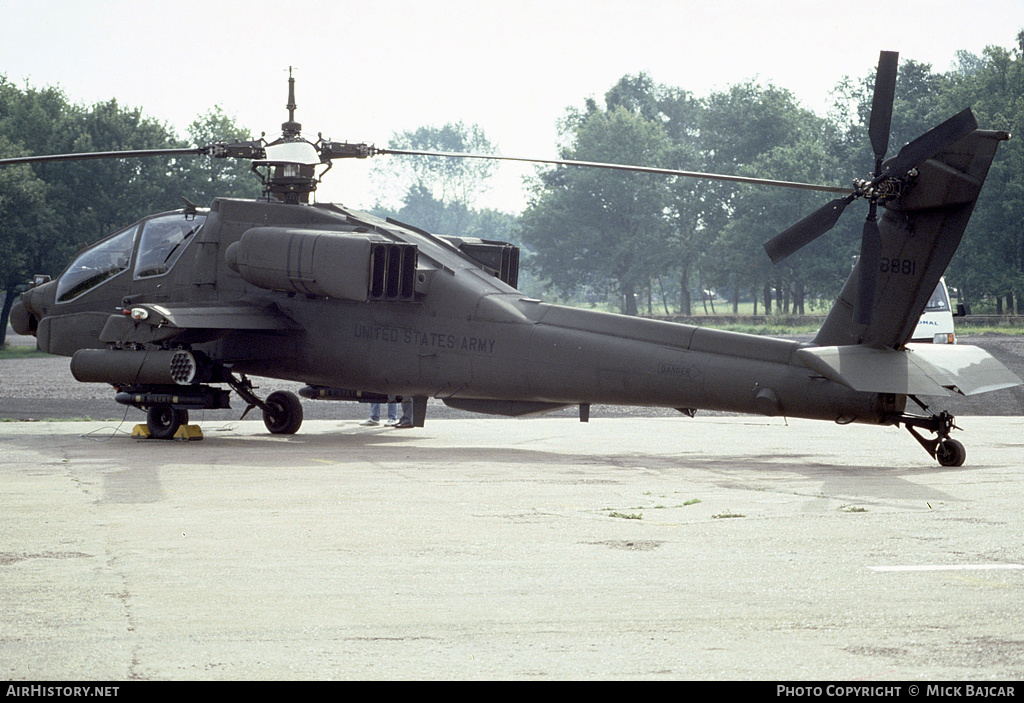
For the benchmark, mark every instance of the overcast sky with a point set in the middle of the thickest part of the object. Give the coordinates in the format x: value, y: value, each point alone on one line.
x: 368, y: 68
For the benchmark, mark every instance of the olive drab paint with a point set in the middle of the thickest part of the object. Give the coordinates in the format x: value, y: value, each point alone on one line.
x: 358, y: 308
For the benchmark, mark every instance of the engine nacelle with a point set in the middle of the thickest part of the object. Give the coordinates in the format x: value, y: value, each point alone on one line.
x: 352, y: 266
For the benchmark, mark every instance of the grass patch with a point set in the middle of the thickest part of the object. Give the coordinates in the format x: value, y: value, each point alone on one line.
x: 765, y: 330
x: 49, y: 419
x: 627, y: 516
x: 968, y: 330
x: 18, y: 351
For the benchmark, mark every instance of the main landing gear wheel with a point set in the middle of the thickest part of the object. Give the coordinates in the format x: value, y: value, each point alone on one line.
x: 163, y: 421
x: 283, y: 412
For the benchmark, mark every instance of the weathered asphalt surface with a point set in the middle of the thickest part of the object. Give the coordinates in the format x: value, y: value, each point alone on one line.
x: 624, y: 548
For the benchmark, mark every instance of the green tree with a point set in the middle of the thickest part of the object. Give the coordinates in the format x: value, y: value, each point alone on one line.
x: 819, y: 269
x: 684, y: 241
x: 437, y: 192
x: 204, y: 178
x: 31, y: 121
x: 762, y: 132
x: 26, y: 226
x: 990, y: 261
x: 596, y: 227
x: 106, y: 194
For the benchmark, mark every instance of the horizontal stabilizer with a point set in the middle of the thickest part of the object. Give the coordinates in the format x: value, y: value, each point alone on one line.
x: 972, y: 369
x: 921, y: 369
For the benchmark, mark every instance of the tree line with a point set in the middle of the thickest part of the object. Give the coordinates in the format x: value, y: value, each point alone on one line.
x: 645, y: 243
x: 49, y: 210
x: 631, y: 238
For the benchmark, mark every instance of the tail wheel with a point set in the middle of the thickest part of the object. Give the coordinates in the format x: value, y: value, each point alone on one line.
x: 163, y: 421
x: 950, y: 452
x: 283, y: 413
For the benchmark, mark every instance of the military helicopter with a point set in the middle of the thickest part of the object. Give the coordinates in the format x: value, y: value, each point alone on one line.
x: 171, y: 309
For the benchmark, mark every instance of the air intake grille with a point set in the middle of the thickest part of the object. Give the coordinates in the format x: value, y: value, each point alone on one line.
x: 499, y: 258
x: 392, y: 271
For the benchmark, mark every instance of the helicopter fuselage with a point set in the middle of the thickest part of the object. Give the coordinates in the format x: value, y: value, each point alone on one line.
x: 481, y: 345
x: 360, y: 308
x: 451, y: 329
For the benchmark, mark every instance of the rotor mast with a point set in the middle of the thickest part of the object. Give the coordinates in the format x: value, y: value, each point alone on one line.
x: 291, y: 129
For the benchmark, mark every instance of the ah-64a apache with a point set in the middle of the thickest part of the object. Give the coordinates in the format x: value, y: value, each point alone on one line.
x: 173, y: 308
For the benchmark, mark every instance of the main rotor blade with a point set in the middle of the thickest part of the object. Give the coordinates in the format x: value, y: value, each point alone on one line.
x: 86, y: 156
x: 881, y: 104
x: 622, y: 167
x: 930, y: 143
x: 870, y: 258
x: 806, y: 230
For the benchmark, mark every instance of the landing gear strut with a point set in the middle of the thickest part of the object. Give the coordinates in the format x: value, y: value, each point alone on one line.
x: 282, y: 410
x: 167, y: 405
x: 948, y: 452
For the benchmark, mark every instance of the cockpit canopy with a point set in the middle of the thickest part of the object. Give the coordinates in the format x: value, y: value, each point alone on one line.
x: 162, y: 241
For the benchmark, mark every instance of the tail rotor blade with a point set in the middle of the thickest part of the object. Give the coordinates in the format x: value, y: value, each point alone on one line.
x: 870, y: 257
x: 806, y: 230
x: 880, y: 121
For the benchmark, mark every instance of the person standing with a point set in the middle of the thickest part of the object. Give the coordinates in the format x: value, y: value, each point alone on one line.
x: 374, y: 418
x: 406, y: 420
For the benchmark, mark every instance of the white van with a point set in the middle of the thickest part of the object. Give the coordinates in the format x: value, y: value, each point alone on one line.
x: 936, y: 323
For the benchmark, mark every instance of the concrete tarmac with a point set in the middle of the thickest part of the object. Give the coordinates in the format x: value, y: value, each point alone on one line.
x: 624, y: 548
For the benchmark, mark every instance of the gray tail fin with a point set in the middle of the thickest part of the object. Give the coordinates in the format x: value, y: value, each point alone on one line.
x: 920, y: 232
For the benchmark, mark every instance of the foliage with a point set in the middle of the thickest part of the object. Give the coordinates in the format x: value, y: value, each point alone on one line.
x: 990, y: 261
x: 204, y: 179
x: 710, y: 233
x: 47, y: 211
x: 27, y: 226
x: 784, y: 142
x: 436, y: 192
x: 600, y: 227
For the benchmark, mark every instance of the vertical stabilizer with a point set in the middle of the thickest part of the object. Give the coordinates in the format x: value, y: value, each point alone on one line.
x: 920, y: 231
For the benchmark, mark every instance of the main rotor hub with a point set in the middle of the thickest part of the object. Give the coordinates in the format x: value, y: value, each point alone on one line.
x: 290, y: 169
x: 290, y: 162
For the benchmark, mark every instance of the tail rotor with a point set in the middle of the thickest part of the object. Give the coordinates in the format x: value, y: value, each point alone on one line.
x: 886, y: 182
